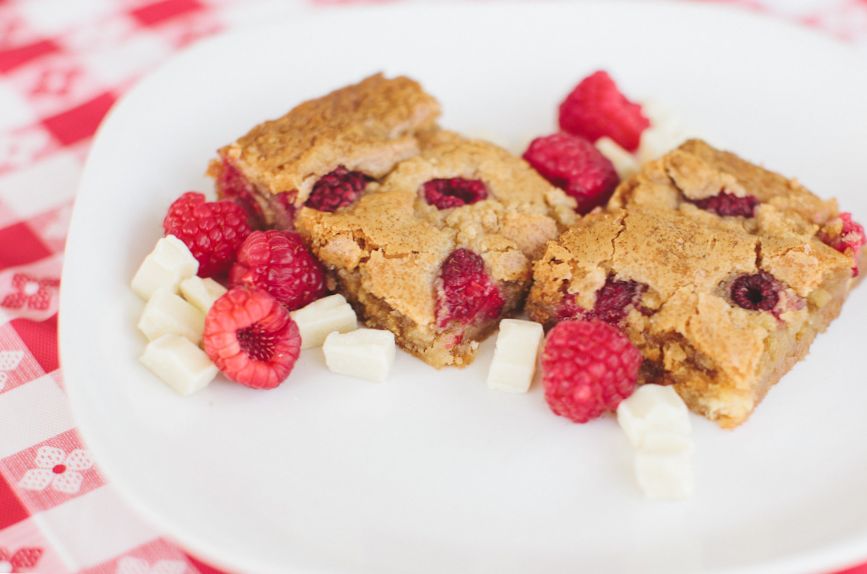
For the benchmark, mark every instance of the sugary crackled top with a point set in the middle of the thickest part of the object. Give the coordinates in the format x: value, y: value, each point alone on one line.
x: 368, y: 126
x: 696, y: 171
x: 398, y: 241
x: 688, y: 265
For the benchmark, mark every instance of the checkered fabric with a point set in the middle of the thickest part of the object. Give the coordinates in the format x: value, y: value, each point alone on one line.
x: 63, y: 64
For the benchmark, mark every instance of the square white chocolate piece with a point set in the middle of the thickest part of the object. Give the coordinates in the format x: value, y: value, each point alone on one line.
x: 664, y: 476
x: 660, y: 442
x: 165, y: 267
x: 363, y: 353
x: 514, y: 361
x: 652, y: 410
x: 664, y: 134
x: 624, y: 162
x: 322, y: 317
x: 201, y: 292
x: 179, y: 363
x: 168, y: 314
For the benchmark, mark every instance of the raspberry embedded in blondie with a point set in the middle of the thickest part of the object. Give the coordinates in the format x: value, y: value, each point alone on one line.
x: 718, y: 311
x: 441, y: 249
x: 339, y: 141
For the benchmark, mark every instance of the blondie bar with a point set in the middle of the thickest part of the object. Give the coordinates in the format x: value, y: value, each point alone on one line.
x: 441, y: 249
x: 719, y: 310
x: 346, y: 138
x: 715, y: 185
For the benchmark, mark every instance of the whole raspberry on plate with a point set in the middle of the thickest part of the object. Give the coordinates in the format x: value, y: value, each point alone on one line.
x: 466, y: 292
x: 574, y: 165
x: 588, y: 367
x: 212, y: 230
x: 279, y: 263
x: 251, y: 338
x: 596, y: 108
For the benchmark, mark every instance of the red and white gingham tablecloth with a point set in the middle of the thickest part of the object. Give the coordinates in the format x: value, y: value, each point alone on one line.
x: 63, y: 63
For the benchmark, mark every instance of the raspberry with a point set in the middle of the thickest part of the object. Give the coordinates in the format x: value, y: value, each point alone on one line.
x: 757, y: 292
x: 574, y: 165
x: 849, y: 240
x: 212, y: 230
x: 232, y: 184
x: 251, y: 338
x: 466, y: 292
x: 279, y: 263
x: 337, y: 189
x: 454, y: 192
x: 613, y: 301
x: 729, y: 205
x: 597, y: 108
x: 588, y: 367
x: 615, y: 298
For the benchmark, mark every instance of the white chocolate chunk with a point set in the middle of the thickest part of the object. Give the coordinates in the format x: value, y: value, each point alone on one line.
x: 363, y: 353
x: 165, y: 267
x: 664, y: 475
x: 652, y: 410
x: 167, y: 314
x: 324, y: 316
x: 201, y: 292
x: 667, y: 442
x: 656, y: 142
x: 514, y: 361
x: 656, y: 422
x: 179, y: 363
x: 664, y: 134
x: 624, y: 162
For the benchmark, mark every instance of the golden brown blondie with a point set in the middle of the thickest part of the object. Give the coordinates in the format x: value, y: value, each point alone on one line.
x: 363, y: 129
x: 441, y: 249
x: 716, y: 311
x: 715, y: 185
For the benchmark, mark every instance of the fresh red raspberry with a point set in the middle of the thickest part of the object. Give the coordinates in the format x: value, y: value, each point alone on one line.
x: 757, y: 292
x: 251, y: 338
x: 454, y: 192
x: 231, y: 184
x: 212, y: 230
x: 588, y: 367
x: 849, y: 240
x: 596, y: 108
x: 279, y: 263
x: 466, y: 293
x: 337, y: 189
x: 729, y: 205
x: 574, y: 165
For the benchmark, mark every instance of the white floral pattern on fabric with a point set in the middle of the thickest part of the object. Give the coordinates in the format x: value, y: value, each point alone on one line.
x: 132, y: 565
x: 57, y: 469
x: 9, y: 360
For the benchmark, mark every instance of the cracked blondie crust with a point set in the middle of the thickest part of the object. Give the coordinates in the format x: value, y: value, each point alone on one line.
x: 718, y: 310
x: 718, y: 186
x: 441, y: 249
x: 362, y: 130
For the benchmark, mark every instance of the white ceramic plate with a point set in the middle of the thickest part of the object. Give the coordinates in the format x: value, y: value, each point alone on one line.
x: 431, y: 472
